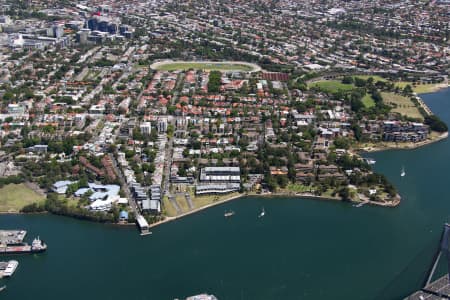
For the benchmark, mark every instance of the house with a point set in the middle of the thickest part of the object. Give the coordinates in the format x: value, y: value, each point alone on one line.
x: 304, y: 177
x: 332, y: 169
x: 60, y: 187
x: 306, y: 167
x: 37, y: 149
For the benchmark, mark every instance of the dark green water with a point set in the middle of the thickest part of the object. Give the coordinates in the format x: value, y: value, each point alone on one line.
x: 302, y: 249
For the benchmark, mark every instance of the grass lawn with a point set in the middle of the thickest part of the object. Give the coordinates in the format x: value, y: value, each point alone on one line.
x: 368, y: 101
x: 404, y: 105
x: 219, y: 66
x: 329, y: 193
x: 332, y: 86
x: 375, y: 77
x: 420, y: 88
x: 200, y: 201
x: 16, y: 196
x: 299, y: 188
x: 71, y: 201
x: 182, y: 203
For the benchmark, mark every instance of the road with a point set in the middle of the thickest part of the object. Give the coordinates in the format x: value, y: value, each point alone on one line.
x: 169, y: 154
x: 132, y: 203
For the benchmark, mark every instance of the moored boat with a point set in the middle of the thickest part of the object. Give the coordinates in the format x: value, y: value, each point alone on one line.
x: 370, y: 161
x: 202, y: 297
x: 10, y: 268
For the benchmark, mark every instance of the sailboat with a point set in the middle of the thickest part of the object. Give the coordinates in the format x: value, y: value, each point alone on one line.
x: 262, y: 213
x: 403, y: 173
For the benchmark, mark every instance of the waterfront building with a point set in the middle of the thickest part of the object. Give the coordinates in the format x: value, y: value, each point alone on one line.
x: 60, y: 187
x: 217, y: 188
x: 220, y: 174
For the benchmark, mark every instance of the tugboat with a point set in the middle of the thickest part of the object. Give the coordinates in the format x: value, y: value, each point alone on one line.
x: 229, y: 214
x: 38, y: 246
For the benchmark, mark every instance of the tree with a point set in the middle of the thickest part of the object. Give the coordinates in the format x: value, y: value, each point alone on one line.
x: 214, y: 81
x: 407, y: 90
x: 341, y: 143
x: 436, y: 124
x: 347, y: 80
x: 344, y: 193
x: 359, y: 82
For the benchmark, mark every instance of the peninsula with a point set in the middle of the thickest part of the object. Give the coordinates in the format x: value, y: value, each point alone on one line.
x: 159, y: 112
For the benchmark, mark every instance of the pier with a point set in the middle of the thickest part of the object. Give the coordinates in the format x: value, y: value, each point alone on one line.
x: 143, y: 225
x: 440, y: 288
x: 437, y: 290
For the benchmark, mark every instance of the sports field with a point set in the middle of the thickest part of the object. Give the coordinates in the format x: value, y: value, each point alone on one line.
x: 207, y: 65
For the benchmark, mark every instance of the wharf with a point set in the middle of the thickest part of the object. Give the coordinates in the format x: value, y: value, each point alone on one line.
x: 437, y: 290
x: 9, y: 237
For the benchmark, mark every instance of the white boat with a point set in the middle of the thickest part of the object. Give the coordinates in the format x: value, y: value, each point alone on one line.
x: 10, y: 268
x: 370, y: 161
x: 228, y: 214
x: 2, y: 288
x: 262, y: 213
x: 202, y: 297
x: 403, y: 173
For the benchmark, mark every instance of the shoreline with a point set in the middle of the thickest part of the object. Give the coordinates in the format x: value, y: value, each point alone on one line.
x: 393, y: 203
x: 308, y: 196
x: 400, y: 146
x: 170, y: 219
x: 433, y: 88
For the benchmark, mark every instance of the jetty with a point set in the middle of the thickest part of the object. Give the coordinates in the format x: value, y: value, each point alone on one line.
x: 143, y: 225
